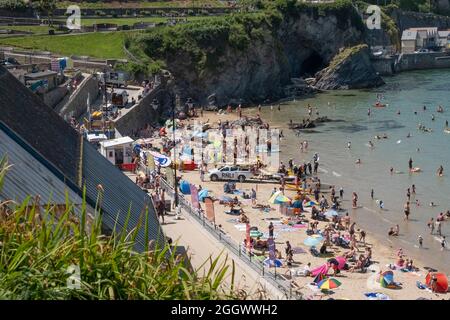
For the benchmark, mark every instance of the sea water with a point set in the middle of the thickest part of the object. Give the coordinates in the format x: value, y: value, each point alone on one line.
x: 406, y: 92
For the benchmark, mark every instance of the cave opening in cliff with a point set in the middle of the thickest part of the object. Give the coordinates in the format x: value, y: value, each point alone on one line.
x: 311, y: 65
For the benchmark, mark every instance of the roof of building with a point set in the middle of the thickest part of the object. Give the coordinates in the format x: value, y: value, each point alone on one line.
x: 116, y: 142
x: 444, y: 33
x: 41, y: 74
x: 409, y: 35
x: 28, y: 116
x: 428, y: 29
x: 54, y: 144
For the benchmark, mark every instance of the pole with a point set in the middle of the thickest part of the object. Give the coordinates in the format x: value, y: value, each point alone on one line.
x: 174, y: 156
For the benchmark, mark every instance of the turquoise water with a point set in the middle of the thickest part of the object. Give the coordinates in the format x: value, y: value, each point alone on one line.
x: 407, y: 92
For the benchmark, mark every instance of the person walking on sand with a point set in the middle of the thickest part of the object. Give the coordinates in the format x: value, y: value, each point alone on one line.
x: 443, y: 243
x: 371, y: 194
x: 355, y: 200
x: 341, y: 193
x: 271, y: 227
x: 253, y: 196
x: 420, y: 241
x: 438, y: 227
x: 410, y: 164
x: 413, y: 187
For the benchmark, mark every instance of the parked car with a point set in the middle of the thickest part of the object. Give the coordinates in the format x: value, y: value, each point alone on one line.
x: 422, y: 51
x: 230, y: 173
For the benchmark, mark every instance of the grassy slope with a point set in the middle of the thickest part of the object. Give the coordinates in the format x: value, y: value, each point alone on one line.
x: 144, y: 4
x: 99, y: 45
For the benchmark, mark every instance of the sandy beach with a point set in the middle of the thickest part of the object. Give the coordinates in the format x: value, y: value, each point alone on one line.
x: 354, y: 284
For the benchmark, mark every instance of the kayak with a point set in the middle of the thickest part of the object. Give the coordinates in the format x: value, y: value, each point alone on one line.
x: 416, y: 169
x: 379, y: 105
x: 447, y: 130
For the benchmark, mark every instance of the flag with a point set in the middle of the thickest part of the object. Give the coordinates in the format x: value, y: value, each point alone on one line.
x: 271, y: 244
x: 88, y: 105
x: 194, y: 197
x: 247, y: 233
x: 209, y: 203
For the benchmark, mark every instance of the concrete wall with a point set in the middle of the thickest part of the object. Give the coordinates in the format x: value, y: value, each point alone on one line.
x: 143, y: 113
x: 384, y: 66
x: 407, y: 19
x: 76, y: 105
x: 419, y: 61
x: 53, y: 97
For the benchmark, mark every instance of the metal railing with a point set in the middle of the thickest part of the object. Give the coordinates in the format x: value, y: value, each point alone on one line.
x: 275, y: 279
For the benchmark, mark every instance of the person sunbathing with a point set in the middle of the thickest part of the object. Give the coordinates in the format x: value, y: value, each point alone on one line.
x: 243, y: 218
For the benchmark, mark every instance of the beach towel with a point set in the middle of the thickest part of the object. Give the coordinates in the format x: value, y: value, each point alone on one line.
x: 420, y: 285
x: 240, y: 226
x: 300, y: 226
x: 266, y: 235
x: 233, y: 220
x: 376, y: 296
x: 298, y: 250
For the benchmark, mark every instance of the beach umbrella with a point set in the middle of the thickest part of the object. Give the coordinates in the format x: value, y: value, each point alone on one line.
x: 441, y: 281
x: 331, y: 213
x: 328, y: 284
x: 297, y: 204
x: 256, y: 233
x: 319, y: 277
x: 310, y: 204
x: 278, y: 198
x: 273, y: 263
x: 387, y: 279
x: 311, y: 241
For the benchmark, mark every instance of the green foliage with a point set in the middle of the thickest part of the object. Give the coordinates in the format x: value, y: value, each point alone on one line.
x: 18, y: 5
x: 39, y: 243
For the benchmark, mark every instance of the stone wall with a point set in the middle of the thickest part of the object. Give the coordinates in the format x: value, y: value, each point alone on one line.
x: 384, y: 66
x: 77, y: 103
x: 419, y: 61
x: 52, y: 98
x: 143, y: 113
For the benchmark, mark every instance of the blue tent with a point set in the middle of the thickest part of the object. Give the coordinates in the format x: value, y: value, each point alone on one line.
x: 185, y: 187
x: 297, y: 204
x: 202, y: 194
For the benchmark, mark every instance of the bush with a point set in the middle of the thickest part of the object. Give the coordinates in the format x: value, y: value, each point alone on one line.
x: 39, y: 244
x: 18, y: 5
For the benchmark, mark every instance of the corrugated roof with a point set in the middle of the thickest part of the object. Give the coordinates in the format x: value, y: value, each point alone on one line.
x: 41, y: 127
x: 28, y: 177
x: 409, y: 35
x: 52, y: 144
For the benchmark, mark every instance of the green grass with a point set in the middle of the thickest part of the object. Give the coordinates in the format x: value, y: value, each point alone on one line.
x: 38, y: 244
x: 98, y: 45
x: 144, y: 4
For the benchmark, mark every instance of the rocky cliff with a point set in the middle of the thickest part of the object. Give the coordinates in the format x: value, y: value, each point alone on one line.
x: 350, y: 69
x: 252, y: 58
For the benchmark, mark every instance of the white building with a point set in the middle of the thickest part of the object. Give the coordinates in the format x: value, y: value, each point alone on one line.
x: 117, y: 151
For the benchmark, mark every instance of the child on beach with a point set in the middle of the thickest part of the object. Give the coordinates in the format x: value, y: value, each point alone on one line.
x: 443, y: 243
x: 430, y: 225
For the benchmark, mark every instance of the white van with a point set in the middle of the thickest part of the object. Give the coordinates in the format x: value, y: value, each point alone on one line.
x: 230, y: 172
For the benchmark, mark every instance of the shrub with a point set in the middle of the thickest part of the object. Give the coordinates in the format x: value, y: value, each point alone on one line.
x: 38, y: 248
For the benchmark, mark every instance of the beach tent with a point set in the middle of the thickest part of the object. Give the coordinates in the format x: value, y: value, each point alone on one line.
x: 185, y: 187
x: 202, y: 194
x: 225, y: 198
x: 387, y: 280
x: 441, y: 283
x: 278, y: 198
